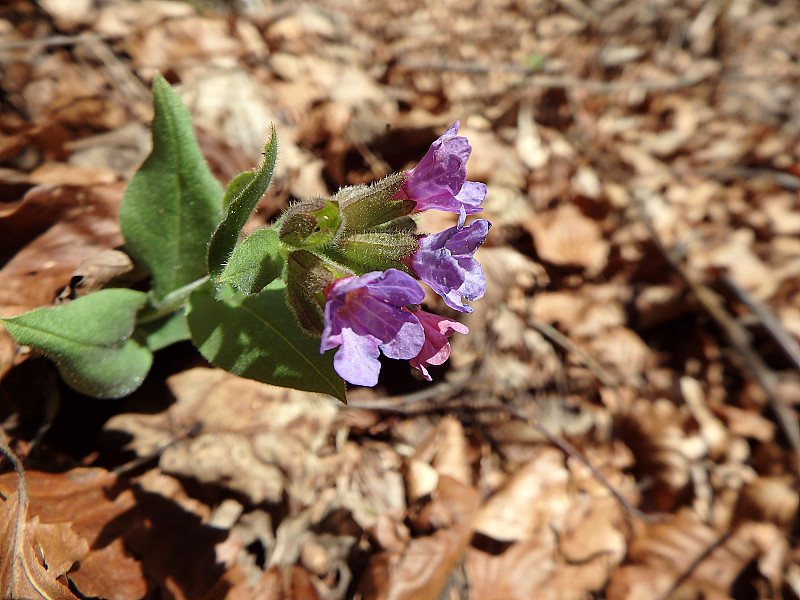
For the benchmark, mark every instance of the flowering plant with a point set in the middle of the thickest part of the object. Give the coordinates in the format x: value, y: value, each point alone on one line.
x: 306, y: 303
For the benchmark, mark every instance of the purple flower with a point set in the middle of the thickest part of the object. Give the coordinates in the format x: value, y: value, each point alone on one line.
x: 364, y: 315
x: 444, y: 261
x: 438, y: 181
x: 436, y: 348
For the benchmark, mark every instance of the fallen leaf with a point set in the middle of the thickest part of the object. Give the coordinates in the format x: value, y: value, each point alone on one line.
x: 33, y: 557
x: 565, y: 237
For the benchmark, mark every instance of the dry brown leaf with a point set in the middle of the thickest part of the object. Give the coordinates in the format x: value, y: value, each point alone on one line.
x: 260, y: 440
x: 33, y: 557
x: 421, y: 569
x: 743, y: 265
x: 564, y: 236
x: 684, y: 552
x: 522, y: 506
x: 79, y: 499
x: 656, y: 434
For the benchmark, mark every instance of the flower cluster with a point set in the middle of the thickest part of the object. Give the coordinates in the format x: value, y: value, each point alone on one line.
x: 355, y: 262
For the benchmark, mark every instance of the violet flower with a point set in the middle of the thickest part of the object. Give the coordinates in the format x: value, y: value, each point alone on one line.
x: 439, y: 180
x: 365, y: 315
x: 436, y: 349
x: 445, y: 262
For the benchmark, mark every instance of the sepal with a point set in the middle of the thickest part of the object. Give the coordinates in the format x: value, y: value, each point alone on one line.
x: 376, y: 251
x: 369, y: 207
x: 307, y: 278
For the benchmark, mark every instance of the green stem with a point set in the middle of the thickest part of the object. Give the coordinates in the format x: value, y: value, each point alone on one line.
x: 169, y: 303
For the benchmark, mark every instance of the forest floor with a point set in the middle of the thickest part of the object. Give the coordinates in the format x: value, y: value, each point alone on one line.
x: 621, y: 421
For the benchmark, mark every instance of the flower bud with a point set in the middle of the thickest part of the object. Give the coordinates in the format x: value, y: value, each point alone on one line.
x: 310, y: 224
x: 375, y: 251
x: 371, y: 207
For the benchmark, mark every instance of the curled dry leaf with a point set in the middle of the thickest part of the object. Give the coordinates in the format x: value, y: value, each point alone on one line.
x: 34, y: 557
x: 569, y: 553
x: 656, y: 433
x: 421, y: 569
x: 522, y: 506
x: 686, y: 553
x: 79, y: 501
x: 259, y: 440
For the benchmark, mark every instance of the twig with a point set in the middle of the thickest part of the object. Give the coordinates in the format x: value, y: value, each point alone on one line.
x: 566, y: 344
x: 538, y: 80
x: 22, y: 510
x: 579, y: 10
x: 406, y: 409
x: 737, y: 336
x: 771, y: 323
x: 55, y: 40
x: 681, y: 579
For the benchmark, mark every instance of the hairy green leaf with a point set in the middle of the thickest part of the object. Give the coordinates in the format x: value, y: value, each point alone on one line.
x: 89, y: 340
x: 173, y: 203
x: 239, y: 208
x: 163, y: 331
x: 258, y: 337
x: 255, y: 263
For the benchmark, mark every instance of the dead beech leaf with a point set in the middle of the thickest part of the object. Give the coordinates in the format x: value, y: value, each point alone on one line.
x: 421, y: 569
x: 49, y: 234
x: 736, y: 255
x: 259, y: 440
x: 80, y: 497
x: 564, y: 236
x: 622, y: 349
x: 98, y: 271
x: 685, y: 551
x: 33, y: 557
x: 522, y: 505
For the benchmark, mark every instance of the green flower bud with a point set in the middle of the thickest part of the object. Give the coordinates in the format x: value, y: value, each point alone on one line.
x: 310, y: 224
x: 372, y: 207
x: 374, y: 251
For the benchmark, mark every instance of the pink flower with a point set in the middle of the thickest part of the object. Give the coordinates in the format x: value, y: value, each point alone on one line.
x: 436, y: 349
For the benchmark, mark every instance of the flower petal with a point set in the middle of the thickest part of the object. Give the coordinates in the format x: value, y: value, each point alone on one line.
x: 436, y: 349
x: 356, y: 360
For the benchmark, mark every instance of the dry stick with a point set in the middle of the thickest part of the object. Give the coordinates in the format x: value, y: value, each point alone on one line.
x: 22, y: 508
x: 55, y: 40
x: 536, y: 80
x: 771, y: 323
x: 737, y: 336
x: 400, y: 406
x: 566, y: 344
x: 687, y: 572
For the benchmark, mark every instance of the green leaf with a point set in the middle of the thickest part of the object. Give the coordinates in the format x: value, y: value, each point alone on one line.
x: 89, y: 340
x: 255, y: 263
x: 258, y: 337
x: 235, y: 188
x: 162, y: 332
x: 239, y: 208
x: 173, y: 202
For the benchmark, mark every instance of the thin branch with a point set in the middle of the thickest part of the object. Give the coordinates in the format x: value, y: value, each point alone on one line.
x: 398, y: 406
x: 55, y: 40
x: 737, y: 335
x: 684, y: 576
x: 771, y: 323
x: 566, y: 344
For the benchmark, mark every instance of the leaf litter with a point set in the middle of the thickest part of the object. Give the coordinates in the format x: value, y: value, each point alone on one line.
x: 642, y: 304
